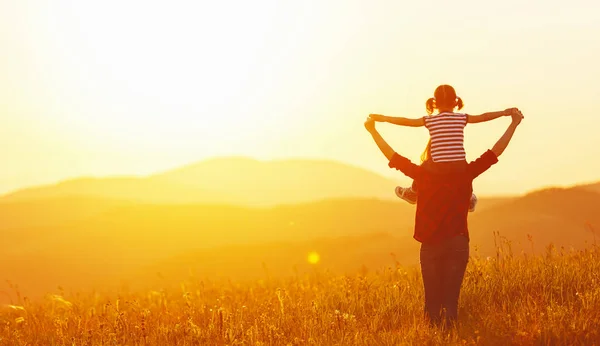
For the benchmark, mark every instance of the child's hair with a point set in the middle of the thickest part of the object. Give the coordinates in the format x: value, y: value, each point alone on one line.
x: 443, y: 97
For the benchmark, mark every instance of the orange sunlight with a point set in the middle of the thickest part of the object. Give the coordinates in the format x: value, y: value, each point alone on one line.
x: 198, y: 172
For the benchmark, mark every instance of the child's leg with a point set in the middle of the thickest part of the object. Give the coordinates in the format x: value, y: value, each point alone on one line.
x: 407, y: 194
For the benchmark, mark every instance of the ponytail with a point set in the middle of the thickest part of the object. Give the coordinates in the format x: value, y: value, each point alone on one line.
x: 426, y: 155
x: 430, y: 105
x: 459, y: 103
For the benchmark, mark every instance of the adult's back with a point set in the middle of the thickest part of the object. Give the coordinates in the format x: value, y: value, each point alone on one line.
x: 444, y: 195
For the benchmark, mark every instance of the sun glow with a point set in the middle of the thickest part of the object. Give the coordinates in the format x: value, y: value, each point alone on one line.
x: 314, y: 258
x: 177, y: 74
x: 113, y: 87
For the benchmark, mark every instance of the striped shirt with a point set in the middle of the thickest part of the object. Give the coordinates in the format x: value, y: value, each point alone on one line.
x: 447, y: 136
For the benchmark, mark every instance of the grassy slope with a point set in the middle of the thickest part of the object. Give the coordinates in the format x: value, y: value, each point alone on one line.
x: 549, y: 299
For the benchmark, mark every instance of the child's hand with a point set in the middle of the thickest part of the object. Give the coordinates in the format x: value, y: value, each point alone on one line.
x: 370, y: 124
x: 509, y: 111
x: 377, y: 117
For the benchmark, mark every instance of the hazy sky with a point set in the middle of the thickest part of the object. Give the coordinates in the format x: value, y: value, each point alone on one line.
x: 123, y: 87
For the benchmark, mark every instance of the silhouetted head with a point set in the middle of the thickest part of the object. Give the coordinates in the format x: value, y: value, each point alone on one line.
x: 444, y: 99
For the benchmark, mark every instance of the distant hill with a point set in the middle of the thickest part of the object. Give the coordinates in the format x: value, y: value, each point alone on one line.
x: 168, y: 229
x: 557, y: 216
x: 594, y: 187
x: 47, y: 212
x: 237, y: 181
x: 282, y: 181
x: 143, y: 190
x: 563, y: 216
x: 484, y: 203
x: 79, y: 240
x: 115, y: 241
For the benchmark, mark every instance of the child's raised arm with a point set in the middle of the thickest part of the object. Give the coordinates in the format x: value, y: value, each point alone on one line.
x: 398, y: 120
x: 489, y: 116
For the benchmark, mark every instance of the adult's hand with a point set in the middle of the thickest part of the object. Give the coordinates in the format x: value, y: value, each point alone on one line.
x: 517, y: 116
x: 381, y: 143
x: 502, y: 143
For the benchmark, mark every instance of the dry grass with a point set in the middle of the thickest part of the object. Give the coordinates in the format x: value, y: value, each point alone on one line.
x: 548, y: 299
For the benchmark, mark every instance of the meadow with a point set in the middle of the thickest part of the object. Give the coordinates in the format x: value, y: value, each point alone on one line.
x: 543, y: 299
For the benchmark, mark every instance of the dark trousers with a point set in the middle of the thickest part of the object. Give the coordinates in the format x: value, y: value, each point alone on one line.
x: 443, y: 267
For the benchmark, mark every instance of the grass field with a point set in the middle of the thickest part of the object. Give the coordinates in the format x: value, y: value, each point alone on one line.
x: 548, y: 299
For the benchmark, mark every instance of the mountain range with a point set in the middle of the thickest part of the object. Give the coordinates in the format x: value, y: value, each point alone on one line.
x: 232, y: 180
x: 238, y: 217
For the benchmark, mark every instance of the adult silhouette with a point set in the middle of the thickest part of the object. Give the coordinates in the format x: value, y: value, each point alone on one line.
x: 441, y: 219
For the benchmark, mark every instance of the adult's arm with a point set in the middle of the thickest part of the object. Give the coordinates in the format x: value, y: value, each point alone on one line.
x: 490, y: 157
x: 395, y: 160
x: 385, y: 148
x: 502, y: 143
